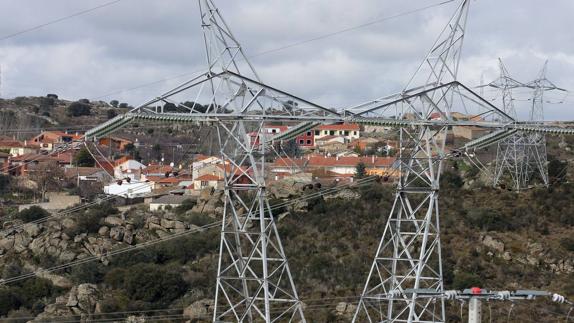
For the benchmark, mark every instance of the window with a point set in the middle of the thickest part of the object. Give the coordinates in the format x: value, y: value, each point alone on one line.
x: 317, y: 132
x: 332, y: 133
x: 346, y: 133
x: 308, y: 133
x: 301, y: 141
x: 308, y: 141
x: 354, y: 133
x: 204, y: 183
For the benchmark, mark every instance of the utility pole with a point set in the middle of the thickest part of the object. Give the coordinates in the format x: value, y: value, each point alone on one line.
x: 474, y: 310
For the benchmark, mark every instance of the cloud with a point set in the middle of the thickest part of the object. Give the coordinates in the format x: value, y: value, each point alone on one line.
x: 141, y: 41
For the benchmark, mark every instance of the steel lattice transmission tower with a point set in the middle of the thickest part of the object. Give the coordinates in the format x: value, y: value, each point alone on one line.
x: 535, y: 158
x: 254, y: 282
x: 510, y: 152
x: 409, y: 254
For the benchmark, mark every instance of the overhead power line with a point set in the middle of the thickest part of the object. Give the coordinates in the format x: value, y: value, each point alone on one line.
x: 274, y: 50
x: 79, y: 13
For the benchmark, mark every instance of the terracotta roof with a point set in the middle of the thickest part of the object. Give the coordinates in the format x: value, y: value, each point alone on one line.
x: 280, y: 127
x: 209, y: 177
x: 122, y: 159
x: 158, y: 169
x: 82, y: 171
x: 201, y: 157
x: 344, y: 126
x: 17, y: 144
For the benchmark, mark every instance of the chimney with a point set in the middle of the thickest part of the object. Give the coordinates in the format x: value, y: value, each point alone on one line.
x: 373, y: 159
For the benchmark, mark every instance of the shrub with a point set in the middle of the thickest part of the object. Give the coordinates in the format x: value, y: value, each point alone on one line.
x: 567, y: 243
x: 76, y: 109
x: 32, y: 213
x: 52, y: 96
x: 111, y: 113
x: 488, y: 220
x: 114, y: 103
x: 149, y: 283
x: 186, y: 205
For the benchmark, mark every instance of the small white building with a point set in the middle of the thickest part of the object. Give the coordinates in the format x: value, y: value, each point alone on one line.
x: 129, y: 190
x: 202, y: 162
x: 129, y: 168
x: 167, y: 201
x: 207, y: 180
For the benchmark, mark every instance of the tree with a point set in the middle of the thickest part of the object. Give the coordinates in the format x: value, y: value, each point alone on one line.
x: 129, y: 148
x: 32, y: 213
x: 84, y: 159
x: 291, y: 148
x: 114, y: 103
x: 111, y: 113
x: 76, y: 109
x: 156, y: 151
x: 123, y: 105
x: 48, y: 176
x: 361, y: 170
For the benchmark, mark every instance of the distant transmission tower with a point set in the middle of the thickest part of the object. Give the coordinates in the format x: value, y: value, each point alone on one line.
x: 510, y: 153
x: 536, y: 158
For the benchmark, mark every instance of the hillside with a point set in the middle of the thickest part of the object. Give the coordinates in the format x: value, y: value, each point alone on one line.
x: 491, y: 238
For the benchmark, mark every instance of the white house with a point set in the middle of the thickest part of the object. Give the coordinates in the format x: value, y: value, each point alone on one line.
x: 349, y: 131
x: 128, y: 190
x: 207, y: 180
x: 201, y: 162
x: 129, y: 168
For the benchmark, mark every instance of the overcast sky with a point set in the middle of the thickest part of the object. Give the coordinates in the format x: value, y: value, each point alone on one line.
x: 135, y: 42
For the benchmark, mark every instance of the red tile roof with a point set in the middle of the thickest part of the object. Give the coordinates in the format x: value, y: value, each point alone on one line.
x: 209, y: 177
x: 17, y: 144
x: 158, y: 169
x: 343, y: 126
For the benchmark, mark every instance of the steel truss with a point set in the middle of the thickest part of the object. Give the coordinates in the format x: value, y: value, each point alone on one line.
x: 409, y: 254
x: 536, y: 159
x: 522, y: 155
x: 511, y: 151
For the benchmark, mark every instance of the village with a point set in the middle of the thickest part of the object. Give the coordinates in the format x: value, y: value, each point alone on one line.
x: 327, y: 154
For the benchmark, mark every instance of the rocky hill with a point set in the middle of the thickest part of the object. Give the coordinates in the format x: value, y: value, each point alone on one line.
x: 491, y: 238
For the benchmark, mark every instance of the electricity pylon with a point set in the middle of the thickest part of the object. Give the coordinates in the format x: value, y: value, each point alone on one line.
x: 510, y: 152
x: 409, y: 253
x: 535, y: 158
x: 254, y: 282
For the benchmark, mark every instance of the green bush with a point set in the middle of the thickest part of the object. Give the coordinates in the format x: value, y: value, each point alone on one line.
x: 76, y: 109
x: 149, y: 283
x: 186, y: 205
x: 567, y: 243
x: 32, y: 213
x: 488, y: 220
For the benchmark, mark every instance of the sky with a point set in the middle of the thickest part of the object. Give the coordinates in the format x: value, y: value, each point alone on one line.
x: 110, y: 53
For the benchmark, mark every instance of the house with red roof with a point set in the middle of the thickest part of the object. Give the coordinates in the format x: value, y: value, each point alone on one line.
x: 50, y: 140
x: 17, y: 148
x: 348, y: 131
